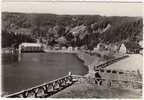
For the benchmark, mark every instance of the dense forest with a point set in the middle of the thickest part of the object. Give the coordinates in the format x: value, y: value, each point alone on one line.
x: 69, y: 30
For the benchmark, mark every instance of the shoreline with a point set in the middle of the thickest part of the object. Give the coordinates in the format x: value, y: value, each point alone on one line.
x: 60, y: 51
x: 83, y: 83
x: 86, y: 88
x: 75, y: 53
x: 83, y: 62
x: 86, y: 59
x: 82, y: 57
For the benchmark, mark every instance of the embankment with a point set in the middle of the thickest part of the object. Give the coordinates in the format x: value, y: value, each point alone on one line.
x: 85, y: 89
x: 89, y: 61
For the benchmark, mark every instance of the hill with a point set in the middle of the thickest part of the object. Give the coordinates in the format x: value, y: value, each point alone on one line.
x: 70, y: 30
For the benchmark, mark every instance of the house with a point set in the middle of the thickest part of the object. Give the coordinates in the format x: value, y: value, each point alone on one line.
x: 56, y: 48
x: 70, y: 48
x: 64, y: 48
x: 76, y: 48
x: 122, y: 49
x: 141, y: 44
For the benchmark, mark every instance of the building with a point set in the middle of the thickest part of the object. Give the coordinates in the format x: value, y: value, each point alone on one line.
x: 141, y: 44
x: 76, y: 48
x: 64, y: 48
x: 30, y: 47
x: 70, y: 48
x: 56, y: 48
x: 122, y: 49
x: 95, y: 49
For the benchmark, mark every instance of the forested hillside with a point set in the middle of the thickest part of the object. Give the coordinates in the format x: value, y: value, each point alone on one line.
x: 69, y: 30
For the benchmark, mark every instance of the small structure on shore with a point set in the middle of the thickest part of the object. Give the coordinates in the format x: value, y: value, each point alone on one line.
x: 76, y: 48
x: 95, y: 49
x: 30, y: 47
x: 141, y: 44
x: 56, y: 48
x: 70, y: 48
x: 64, y: 48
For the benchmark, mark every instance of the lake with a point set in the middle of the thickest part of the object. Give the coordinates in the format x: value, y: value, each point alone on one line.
x: 36, y: 68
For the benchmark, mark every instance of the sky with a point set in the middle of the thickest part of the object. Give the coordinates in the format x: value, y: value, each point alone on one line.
x: 76, y: 8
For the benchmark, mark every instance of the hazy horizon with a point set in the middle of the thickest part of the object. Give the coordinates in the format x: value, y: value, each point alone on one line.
x: 75, y: 8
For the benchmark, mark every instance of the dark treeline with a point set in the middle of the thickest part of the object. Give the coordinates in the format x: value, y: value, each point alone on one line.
x: 70, y: 30
x: 13, y: 40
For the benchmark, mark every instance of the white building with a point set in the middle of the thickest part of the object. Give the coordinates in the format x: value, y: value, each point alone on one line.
x: 122, y: 49
x: 141, y: 43
x: 30, y: 47
x: 76, y: 48
x: 98, y: 46
x: 70, y: 48
x: 31, y: 44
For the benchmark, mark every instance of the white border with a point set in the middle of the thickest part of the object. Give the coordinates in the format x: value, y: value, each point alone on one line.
x: 62, y: 1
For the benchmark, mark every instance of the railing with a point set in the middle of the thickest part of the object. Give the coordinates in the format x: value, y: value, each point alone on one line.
x: 109, y: 62
x: 46, y: 89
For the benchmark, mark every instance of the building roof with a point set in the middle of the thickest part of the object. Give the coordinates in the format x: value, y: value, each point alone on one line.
x: 31, y: 44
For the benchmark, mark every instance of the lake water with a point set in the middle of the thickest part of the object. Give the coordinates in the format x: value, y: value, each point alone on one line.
x: 36, y: 68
